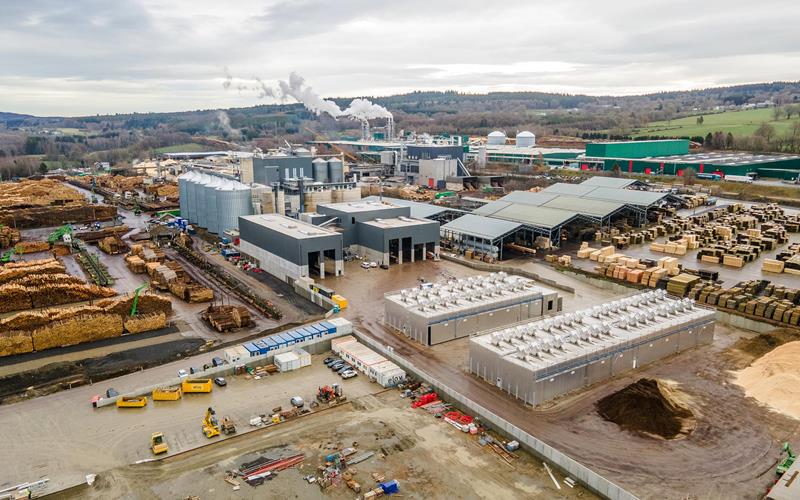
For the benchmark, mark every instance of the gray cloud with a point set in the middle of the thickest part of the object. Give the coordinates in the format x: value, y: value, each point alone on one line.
x: 91, y: 56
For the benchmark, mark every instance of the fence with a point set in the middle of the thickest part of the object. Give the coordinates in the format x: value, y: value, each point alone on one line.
x: 592, y: 480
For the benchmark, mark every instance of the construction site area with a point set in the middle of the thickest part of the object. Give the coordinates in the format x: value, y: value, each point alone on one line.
x: 350, y: 352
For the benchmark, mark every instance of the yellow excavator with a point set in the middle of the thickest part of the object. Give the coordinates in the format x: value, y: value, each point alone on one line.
x: 210, y: 424
x: 157, y: 443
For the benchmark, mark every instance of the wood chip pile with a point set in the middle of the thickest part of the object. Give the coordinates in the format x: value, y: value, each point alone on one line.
x: 228, y: 318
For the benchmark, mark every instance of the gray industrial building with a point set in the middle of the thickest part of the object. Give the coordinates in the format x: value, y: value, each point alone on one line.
x: 446, y: 311
x: 539, y: 360
x: 288, y: 248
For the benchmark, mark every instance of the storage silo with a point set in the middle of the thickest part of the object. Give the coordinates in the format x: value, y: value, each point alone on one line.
x: 212, y: 218
x: 496, y: 138
x: 526, y: 139
x: 200, y: 199
x: 335, y: 170
x: 182, y: 194
x: 234, y: 199
x: 319, y: 169
x: 195, y: 193
x: 189, y: 196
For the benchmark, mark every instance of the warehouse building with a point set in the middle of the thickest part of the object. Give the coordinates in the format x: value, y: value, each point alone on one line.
x: 446, y: 311
x: 422, y: 210
x: 536, y: 361
x: 288, y: 248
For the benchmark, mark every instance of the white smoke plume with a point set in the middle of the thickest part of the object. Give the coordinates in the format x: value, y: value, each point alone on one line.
x: 226, y: 84
x: 225, y: 124
x: 296, y: 89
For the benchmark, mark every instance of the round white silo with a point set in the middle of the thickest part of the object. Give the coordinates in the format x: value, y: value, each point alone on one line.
x: 319, y: 169
x: 496, y: 138
x: 526, y: 139
x: 233, y: 200
x: 182, y: 201
x: 190, y: 180
x: 212, y: 219
x: 200, y: 199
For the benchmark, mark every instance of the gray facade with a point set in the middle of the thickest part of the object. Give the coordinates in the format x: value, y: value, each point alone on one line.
x: 288, y: 248
x: 466, y: 306
x: 398, y: 240
x: 270, y: 169
x: 431, y: 151
x: 350, y: 214
x: 536, y: 361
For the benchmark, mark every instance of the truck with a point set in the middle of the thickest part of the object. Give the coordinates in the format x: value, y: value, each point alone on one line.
x: 739, y: 178
x: 196, y: 385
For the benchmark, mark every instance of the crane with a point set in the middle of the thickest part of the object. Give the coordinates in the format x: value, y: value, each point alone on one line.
x: 334, y: 146
x: 210, y: 425
x: 6, y: 257
x: 136, y: 298
x: 59, y: 233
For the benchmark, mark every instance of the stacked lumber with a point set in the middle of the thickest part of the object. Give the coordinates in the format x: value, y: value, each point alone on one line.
x: 596, y: 255
x: 681, y: 284
x: 148, y: 303
x: 145, y: 322
x: 37, y: 193
x: 43, y: 280
x: 16, y: 270
x: 15, y: 342
x: 9, y: 236
x: 24, y: 247
x: 584, y: 251
x: 198, y: 293
x: 111, y: 245
x: 148, y: 252
x: 135, y: 264
x: 227, y: 318
x: 76, y: 330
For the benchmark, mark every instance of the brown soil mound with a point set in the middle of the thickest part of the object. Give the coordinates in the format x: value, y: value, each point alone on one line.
x: 645, y: 406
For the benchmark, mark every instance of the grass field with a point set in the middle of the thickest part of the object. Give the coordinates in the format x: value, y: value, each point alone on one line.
x: 189, y: 147
x: 739, y: 123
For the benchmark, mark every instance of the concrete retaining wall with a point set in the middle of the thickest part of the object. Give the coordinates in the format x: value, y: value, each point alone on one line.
x: 588, y: 478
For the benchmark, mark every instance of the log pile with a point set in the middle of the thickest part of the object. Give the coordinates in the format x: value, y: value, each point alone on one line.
x: 24, y: 247
x: 108, y: 231
x: 76, y: 330
x: 145, y: 322
x: 42, y: 280
x: 227, y: 318
x: 148, y: 252
x: 112, y: 245
x: 16, y: 297
x: 135, y: 264
x: 16, y: 270
x: 15, y: 342
x: 8, y: 236
x: 40, y: 193
x: 32, y: 217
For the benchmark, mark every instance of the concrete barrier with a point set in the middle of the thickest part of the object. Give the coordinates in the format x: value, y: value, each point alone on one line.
x: 582, y: 474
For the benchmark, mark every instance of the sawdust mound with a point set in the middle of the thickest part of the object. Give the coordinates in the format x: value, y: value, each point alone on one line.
x: 774, y: 379
x: 645, y: 406
x: 766, y: 342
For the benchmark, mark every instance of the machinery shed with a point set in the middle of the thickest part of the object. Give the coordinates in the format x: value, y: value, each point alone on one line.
x: 397, y: 240
x: 288, y: 248
x: 441, y: 312
x: 540, y: 359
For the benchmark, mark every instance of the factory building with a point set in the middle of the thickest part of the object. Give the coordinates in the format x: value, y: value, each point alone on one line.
x: 288, y: 248
x: 536, y: 361
x: 447, y: 311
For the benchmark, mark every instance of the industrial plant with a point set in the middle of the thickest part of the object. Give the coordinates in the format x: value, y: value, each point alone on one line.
x: 539, y: 360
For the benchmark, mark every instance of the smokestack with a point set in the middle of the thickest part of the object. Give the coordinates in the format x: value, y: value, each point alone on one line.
x: 365, y: 130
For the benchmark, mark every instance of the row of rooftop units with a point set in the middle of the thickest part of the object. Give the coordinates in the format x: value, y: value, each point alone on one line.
x: 281, y: 340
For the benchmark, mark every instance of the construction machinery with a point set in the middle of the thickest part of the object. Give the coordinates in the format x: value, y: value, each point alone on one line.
x: 59, y: 233
x: 787, y: 462
x: 6, y: 257
x: 210, y: 424
x: 136, y: 298
x: 228, y: 427
x: 328, y: 394
x: 158, y: 444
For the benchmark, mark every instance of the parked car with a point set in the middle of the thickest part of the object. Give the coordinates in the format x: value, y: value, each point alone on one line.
x: 297, y: 401
x: 220, y: 381
x: 193, y: 370
x: 183, y: 373
x: 111, y: 393
x: 217, y: 361
x: 337, y: 365
x: 348, y: 374
x: 365, y: 265
x: 328, y: 360
x: 373, y: 264
x: 331, y: 361
x: 344, y: 368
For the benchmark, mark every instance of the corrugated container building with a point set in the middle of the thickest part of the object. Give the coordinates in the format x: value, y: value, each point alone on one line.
x: 447, y: 311
x: 539, y: 360
x: 367, y: 361
x: 287, y: 361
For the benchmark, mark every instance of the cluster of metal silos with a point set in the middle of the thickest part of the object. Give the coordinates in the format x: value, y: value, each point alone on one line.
x: 212, y: 202
x: 335, y: 170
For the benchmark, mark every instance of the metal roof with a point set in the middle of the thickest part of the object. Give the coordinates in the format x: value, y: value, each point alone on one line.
x: 627, y: 196
x: 482, y: 227
x: 610, y: 182
x: 418, y: 210
x: 528, y: 197
x: 535, y: 216
x: 568, y: 189
x: 585, y: 206
x: 491, y: 207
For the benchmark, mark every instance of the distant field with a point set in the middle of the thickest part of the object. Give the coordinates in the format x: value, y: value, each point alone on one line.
x: 184, y: 148
x: 739, y: 123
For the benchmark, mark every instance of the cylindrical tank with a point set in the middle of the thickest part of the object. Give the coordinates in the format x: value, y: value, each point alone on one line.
x: 182, y: 194
x: 301, y: 152
x: 335, y: 170
x: 526, y: 139
x: 496, y: 138
x: 196, y: 197
x: 212, y: 219
x: 200, y: 199
x: 319, y: 169
x: 187, y: 196
x: 233, y: 200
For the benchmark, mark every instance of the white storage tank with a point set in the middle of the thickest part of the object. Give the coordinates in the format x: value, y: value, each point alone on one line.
x: 526, y: 139
x: 319, y: 169
x: 335, y: 170
x: 199, y: 198
x: 182, y: 195
x: 212, y: 220
x: 496, y: 138
x: 233, y: 200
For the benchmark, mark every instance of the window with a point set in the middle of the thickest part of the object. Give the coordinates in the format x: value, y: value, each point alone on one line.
x: 549, y: 305
x: 352, y: 220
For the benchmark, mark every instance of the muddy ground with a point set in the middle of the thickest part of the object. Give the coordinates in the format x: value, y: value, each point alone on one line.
x: 429, y: 458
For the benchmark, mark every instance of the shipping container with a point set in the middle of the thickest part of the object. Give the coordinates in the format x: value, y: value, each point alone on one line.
x: 287, y: 361
x: 288, y: 339
x: 271, y: 344
x: 305, y: 357
x: 251, y: 349
x: 232, y: 355
x: 298, y: 335
x: 386, y: 374
x: 262, y: 347
x: 328, y: 326
x: 196, y: 385
x: 343, y: 326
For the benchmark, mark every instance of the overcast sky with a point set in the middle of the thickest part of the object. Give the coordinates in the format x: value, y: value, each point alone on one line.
x: 79, y: 57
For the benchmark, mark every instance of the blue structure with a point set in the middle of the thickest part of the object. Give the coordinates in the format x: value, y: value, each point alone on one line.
x: 280, y: 340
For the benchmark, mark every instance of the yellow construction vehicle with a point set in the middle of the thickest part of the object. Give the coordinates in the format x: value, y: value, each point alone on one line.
x: 210, y: 424
x: 158, y: 444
